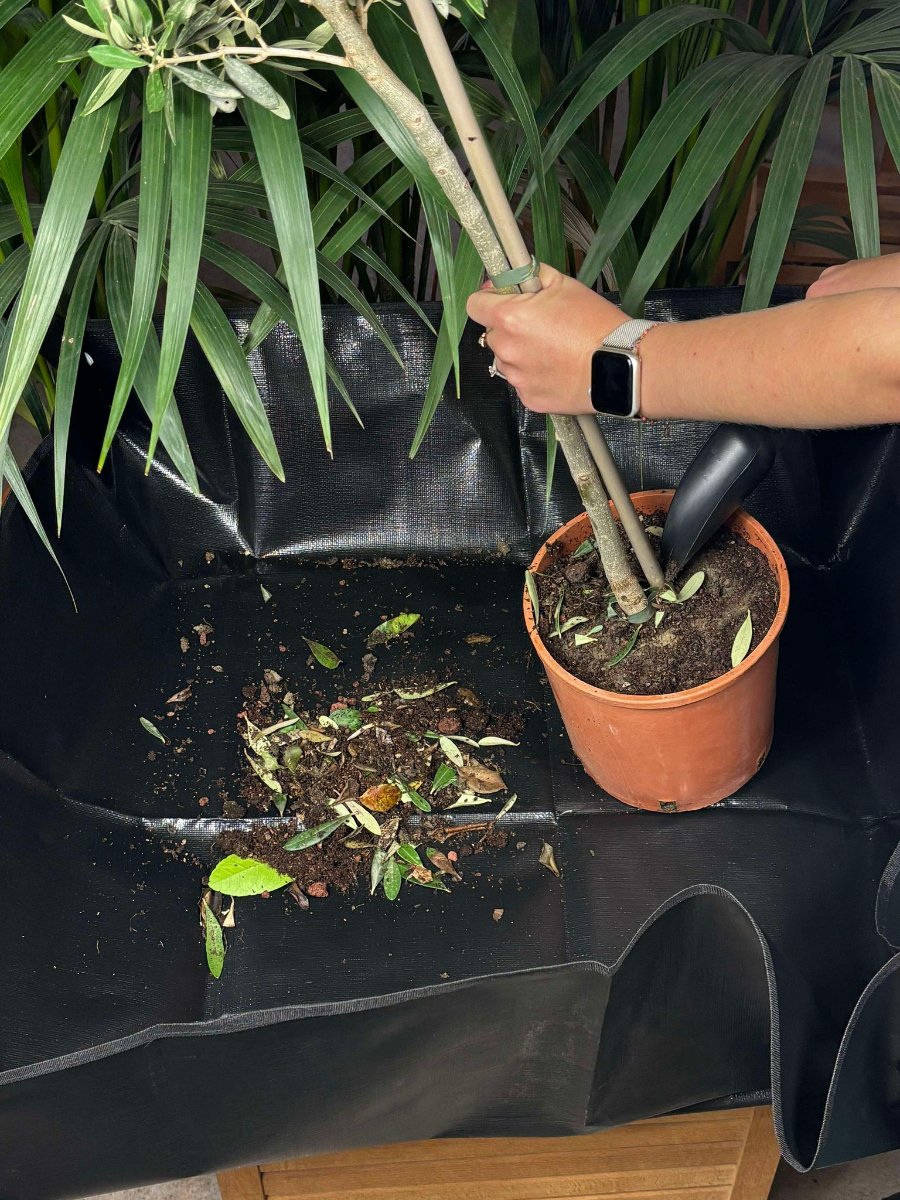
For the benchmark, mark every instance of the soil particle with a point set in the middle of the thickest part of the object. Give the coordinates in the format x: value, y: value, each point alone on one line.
x: 692, y: 642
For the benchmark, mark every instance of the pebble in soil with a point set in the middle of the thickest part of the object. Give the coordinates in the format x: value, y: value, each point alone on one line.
x: 693, y: 641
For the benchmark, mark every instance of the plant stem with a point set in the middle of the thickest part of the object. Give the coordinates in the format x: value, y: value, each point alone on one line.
x: 363, y: 57
x: 253, y: 53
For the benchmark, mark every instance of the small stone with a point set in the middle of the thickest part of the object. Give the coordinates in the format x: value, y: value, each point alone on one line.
x: 498, y: 914
x: 318, y: 891
x: 203, y: 801
x: 218, y: 669
x: 185, y: 645
x: 521, y: 845
x: 209, y: 556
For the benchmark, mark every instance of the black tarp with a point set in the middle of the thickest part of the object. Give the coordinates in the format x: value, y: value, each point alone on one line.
x: 704, y: 959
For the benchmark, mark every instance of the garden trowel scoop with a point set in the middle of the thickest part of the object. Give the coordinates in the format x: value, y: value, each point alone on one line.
x: 726, y: 470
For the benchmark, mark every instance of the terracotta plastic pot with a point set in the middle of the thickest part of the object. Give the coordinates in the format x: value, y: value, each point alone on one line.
x: 682, y: 750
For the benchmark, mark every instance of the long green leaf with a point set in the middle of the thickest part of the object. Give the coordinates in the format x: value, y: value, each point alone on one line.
x: 437, y: 223
x: 281, y: 159
x: 12, y: 276
x: 189, y: 182
x: 13, y: 179
x: 682, y: 112
x: 866, y: 36
x: 69, y: 359
x: 62, y: 225
x: 153, y: 218
x: 886, y: 87
x: 595, y: 179
x: 369, y: 258
x: 19, y: 489
x: 31, y: 78
x: 119, y: 279
x: 740, y: 109
x: 786, y: 177
x: 226, y: 357
x: 332, y: 276
x: 859, y: 159
x: 9, y: 8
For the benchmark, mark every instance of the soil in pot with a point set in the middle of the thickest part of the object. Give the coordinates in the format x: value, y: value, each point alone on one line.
x: 688, y: 641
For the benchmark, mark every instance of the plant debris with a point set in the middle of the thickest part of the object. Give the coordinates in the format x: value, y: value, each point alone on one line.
x: 548, y: 859
x: 392, y: 628
x: 151, y: 729
x: 323, y: 655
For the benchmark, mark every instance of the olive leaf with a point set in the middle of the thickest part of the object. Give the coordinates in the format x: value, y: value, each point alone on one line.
x: 322, y: 654
x: 531, y: 585
x: 693, y: 585
x: 743, y: 639
x: 421, y: 695
x: 443, y: 777
x: 582, y: 639
x: 657, y: 620
x: 266, y: 594
x: 393, y: 879
x: 442, y: 863
x: 410, y: 794
x: 265, y: 775
x: 668, y: 594
x: 452, y: 751
x: 507, y: 806
x: 215, y: 941
x: 280, y: 802
x: 490, y: 740
x: 469, y: 800
x: 255, y: 87
x: 548, y: 859
x: 655, y: 530
x: 626, y: 649
x: 312, y: 837
x: 585, y: 548
x: 572, y: 622
x: 379, y: 863
x: 557, y: 631
x: 364, y: 817
x: 235, y: 876
x: 393, y: 628
x: 151, y: 728
x: 436, y: 885
x: 409, y: 854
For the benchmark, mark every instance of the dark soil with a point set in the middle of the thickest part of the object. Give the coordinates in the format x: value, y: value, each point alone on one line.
x: 693, y: 642
x: 351, y: 747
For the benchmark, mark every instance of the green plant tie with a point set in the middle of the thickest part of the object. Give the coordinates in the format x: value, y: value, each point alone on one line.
x: 516, y: 276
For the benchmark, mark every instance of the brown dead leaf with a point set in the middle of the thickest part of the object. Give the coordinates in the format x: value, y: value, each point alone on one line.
x: 479, y: 778
x: 308, y: 735
x: 479, y: 639
x: 548, y: 859
x: 298, y: 896
x: 381, y: 798
x: 420, y: 874
x: 228, y: 918
x: 180, y: 697
x: 203, y: 631
x: 443, y: 864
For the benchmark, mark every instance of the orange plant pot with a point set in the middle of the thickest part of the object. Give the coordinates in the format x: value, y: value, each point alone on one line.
x: 682, y: 750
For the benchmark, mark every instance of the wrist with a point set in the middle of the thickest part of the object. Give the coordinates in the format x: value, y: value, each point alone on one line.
x: 659, y: 350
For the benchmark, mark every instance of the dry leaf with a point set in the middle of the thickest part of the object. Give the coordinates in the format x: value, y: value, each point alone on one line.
x: 479, y: 639
x: 548, y: 860
x: 180, y: 697
x: 497, y: 914
x: 442, y: 863
x: 381, y: 798
x: 228, y: 919
x: 481, y: 779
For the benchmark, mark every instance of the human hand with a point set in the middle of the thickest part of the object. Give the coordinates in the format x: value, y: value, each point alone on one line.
x: 858, y: 275
x: 543, y: 341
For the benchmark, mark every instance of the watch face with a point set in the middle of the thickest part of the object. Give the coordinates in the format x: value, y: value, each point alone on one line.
x: 612, y: 383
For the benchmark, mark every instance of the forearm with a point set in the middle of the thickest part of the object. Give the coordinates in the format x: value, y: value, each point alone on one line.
x: 817, y: 364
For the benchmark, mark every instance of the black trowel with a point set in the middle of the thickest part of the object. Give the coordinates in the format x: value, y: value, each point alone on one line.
x: 726, y: 470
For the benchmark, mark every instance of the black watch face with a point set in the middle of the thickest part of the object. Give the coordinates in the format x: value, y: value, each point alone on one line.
x: 612, y: 383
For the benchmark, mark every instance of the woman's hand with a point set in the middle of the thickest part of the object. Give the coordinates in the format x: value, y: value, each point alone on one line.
x: 543, y: 341
x: 859, y: 275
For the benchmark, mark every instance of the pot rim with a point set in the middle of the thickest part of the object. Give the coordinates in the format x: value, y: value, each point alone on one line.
x: 739, y: 521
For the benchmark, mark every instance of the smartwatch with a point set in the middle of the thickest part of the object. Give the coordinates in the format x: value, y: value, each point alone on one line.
x: 615, y: 389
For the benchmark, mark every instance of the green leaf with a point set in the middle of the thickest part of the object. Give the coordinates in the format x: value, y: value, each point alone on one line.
x: 790, y: 163
x: 886, y: 88
x: 106, y: 89
x: 153, y: 731
x: 12, y: 177
x: 572, y: 623
x: 312, y: 837
x: 9, y: 8
x: 392, y: 628
x: 113, y: 56
x: 531, y: 586
x: 376, y: 874
x: 119, y: 279
x: 693, y: 585
x: 585, y: 548
x: 204, y: 83
x: 443, y: 777
x: 438, y: 687
x: 859, y: 159
x: 626, y: 649
x: 153, y: 217
x: 365, y: 818
x: 393, y: 879
x: 155, y: 92
x: 409, y: 793
x: 69, y: 360
x: 62, y: 224
x: 550, y: 459
x: 235, y: 876
x: 36, y: 73
x: 188, y: 183
x: 335, y: 278
x: 726, y: 129
x: 346, y: 718
x: 409, y: 854
x: 668, y: 131
x: 324, y: 656
x: 452, y: 751
x: 277, y: 146
x: 215, y: 942
x: 19, y: 489
x: 469, y: 800
x: 255, y: 87
x: 437, y: 224
x: 741, y: 645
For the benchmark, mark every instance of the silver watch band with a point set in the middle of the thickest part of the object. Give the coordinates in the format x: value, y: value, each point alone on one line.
x: 627, y: 335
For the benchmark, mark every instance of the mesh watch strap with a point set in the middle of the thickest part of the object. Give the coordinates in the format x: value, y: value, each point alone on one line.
x: 627, y: 335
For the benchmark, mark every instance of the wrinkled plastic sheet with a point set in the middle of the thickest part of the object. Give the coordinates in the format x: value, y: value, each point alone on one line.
x: 708, y: 959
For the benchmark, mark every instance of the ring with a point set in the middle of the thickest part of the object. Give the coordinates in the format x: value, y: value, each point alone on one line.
x: 482, y: 339
x: 494, y: 371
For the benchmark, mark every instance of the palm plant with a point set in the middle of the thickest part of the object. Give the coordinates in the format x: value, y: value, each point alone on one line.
x: 117, y: 178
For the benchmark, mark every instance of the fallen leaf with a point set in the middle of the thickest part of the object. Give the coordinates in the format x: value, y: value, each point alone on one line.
x: 203, y: 632
x: 324, y: 656
x: 479, y: 778
x: 693, y: 585
x: 657, y: 620
x: 442, y: 863
x: 393, y: 880
x: 235, y: 876
x: 266, y: 594
x: 452, y: 751
x: 507, y: 806
x: 531, y: 586
x: 572, y: 622
x: 582, y: 639
x: 215, y: 942
x: 312, y: 837
x: 313, y: 735
x: 585, y: 548
x: 364, y: 817
x: 392, y: 628
x: 557, y: 612
x: 479, y: 639
x: 469, y: 800
x: 743, y: 639
x: 346, y: 718
x: 180, y: 697
x: 151, y: 729
x: 381, y: 798
x: 547, y: 858
x: 379, y: 863
x: 626, y: 649
x: 411, y: 795
x: 495, y: 741
x: 409, y: 854
x: 421, y: 695
x: 228, y: 919
x: 443, y: 777
x: 298, y: 896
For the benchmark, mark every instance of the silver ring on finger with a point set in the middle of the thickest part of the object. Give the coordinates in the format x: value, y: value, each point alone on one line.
x: 495, y: 372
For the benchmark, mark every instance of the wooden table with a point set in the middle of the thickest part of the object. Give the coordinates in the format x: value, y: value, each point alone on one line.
x: 706, y: 1156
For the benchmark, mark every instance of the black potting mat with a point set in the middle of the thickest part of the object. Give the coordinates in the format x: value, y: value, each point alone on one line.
x: 705, y: 959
